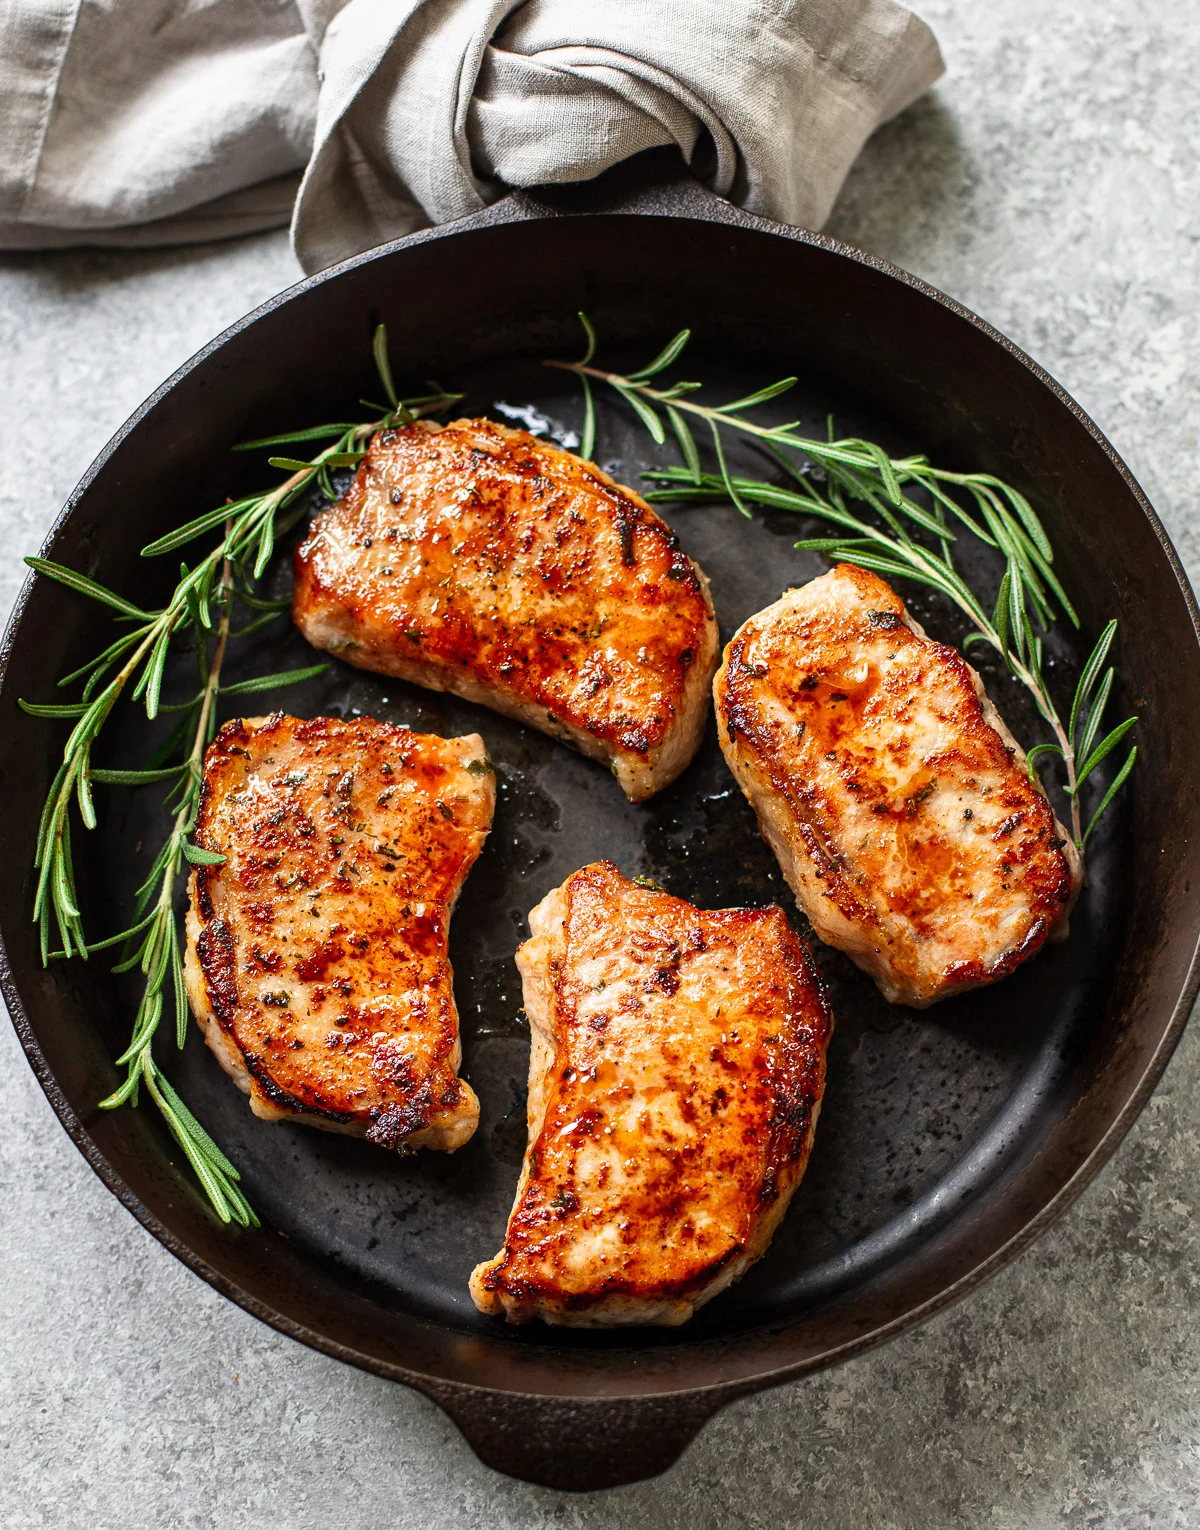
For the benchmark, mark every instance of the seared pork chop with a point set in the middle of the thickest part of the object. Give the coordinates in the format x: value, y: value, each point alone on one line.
x: 316, y: 960
x: 676, y: 1073
x: 899, y: 805
x: 477, y: 559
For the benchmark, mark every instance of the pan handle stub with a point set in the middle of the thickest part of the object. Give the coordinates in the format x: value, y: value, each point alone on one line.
x: 578, y: 1444
x: 655, y: 183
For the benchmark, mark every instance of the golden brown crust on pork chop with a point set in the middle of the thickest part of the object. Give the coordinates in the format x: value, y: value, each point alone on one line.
x: 898, y: 803
x: 316, y: 959
x: 677, y: 1069
x: 480, y: 560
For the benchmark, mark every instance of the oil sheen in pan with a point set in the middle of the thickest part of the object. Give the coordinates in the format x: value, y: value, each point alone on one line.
x: 920, y: 1108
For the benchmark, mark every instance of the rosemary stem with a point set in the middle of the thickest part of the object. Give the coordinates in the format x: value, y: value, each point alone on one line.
x: 213, y: 682
x: 250, y: 527
x: 850, y: 454
x: 1068, y: 754
x: 187, y: 808
x: 851, y: 457
x: 76, y: 762
x: 158, y: 953
x: 713, y: 416
x: 821, y: 451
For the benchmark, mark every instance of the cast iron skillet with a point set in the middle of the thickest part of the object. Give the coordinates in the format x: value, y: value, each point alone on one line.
x: 948, y: 1140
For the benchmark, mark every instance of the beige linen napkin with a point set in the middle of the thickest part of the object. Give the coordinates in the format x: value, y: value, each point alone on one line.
x: 167, y: 121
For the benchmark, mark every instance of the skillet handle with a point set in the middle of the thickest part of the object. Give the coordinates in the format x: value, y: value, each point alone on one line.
x: 578, y: 1444
x: 654, y: 182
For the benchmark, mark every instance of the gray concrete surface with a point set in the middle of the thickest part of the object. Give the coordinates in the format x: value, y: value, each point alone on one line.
x: 1051, y: 182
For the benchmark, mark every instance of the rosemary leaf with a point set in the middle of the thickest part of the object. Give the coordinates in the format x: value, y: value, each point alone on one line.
x: 764, y: 395
x: 683, y: 434
x: 180, y: 706
x: 590, y: 333
x: 1095, y: 715
x: 89, y: 724
x: 836, y: 547
x: 1001, y: 613
x: 113, y: 940
x: 383, y: 365
x: 1102, y: 750
x: 212, y: 1151
x: 797, y: 472
x: 887, y: 474
x: 730, y: 487
x: 86, y: 586
x: 669, y: 353
x: 1118, y: 782
x: 39, y: 709
x: 948, y: 502
x: 293, y: 464
x: 200, y: 857
x: 48, y: 810
x: 1089, y: 676
x: 144, y: 1026
x: 83, y: 794
x: 137, y: 777
x: 272, y: 682
x: 122, y: 1095
x: 266, y: 546
x: 196, y: 528
x: 203, y: 589
x: 289, y: 437
x: 1018, y: 623
x: 1028, y: 519
x: 587, y: 444
x: 154, y: 672
x: 892, y: 568
x: 179, y: 991
x: 1036, y: 753
x: 205, y: 1170
x: 644, y: 413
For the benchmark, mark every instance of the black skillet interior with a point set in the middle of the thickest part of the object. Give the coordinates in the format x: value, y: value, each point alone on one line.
x: 945, y: 1136
x: 913, y: 1098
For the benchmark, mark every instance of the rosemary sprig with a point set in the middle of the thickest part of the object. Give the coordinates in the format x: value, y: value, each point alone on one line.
x: 152, y: 944
x: 827, y: 476
x: 200, y: 604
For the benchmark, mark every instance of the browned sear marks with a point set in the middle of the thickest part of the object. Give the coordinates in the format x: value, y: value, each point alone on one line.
x: 481, y: 560
x: 897, y: 801
x: 676, y: 1073
x: 316, y: 960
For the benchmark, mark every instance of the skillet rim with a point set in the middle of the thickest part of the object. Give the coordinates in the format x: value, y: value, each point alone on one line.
x: 681, y: 201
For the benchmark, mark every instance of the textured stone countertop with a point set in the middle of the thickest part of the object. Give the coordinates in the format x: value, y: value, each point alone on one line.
x: 1051, y: 182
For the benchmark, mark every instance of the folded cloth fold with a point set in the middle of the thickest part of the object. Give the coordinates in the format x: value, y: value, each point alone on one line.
x: 165, y: 121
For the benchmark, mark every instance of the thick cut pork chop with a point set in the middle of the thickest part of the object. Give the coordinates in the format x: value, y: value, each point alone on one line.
x: 316, y: 961
x: 898, y: 803
x: 676, y: 1073
x: 480, y: 560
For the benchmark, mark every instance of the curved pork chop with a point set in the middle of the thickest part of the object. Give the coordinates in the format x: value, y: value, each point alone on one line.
x: 316, y: 961
x: 898, y: 803
x: 676, y: 1074
x: 480, y: 560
